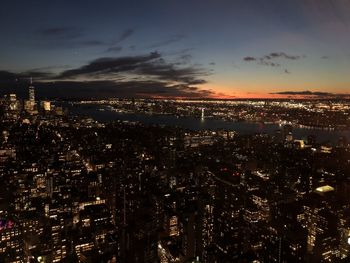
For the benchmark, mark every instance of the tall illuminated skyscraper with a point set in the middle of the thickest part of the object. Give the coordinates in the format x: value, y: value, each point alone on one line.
x: 31, y: 91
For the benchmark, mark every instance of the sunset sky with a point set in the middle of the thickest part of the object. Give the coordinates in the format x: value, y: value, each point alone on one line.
x: 176, y: 48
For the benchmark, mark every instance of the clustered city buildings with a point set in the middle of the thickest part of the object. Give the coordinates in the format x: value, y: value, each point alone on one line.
x: 316, y: 113
x: 76, y: 190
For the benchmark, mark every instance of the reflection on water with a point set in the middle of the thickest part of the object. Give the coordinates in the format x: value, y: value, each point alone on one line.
x: 203, y: 123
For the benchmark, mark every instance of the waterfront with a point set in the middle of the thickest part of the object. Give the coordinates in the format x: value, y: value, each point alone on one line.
x: 107, y: 115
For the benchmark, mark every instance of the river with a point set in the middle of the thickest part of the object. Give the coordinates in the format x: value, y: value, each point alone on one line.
x: 107, y: 115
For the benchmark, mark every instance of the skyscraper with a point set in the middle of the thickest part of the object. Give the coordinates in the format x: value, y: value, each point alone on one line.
x: 31, y: 91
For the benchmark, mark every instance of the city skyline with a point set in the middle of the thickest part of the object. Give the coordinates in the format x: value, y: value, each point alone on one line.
x: 160, y: 131
x: 192, y: 49
x: 174, y: 181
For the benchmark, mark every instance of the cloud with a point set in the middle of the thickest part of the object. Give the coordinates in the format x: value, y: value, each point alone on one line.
x: 185, y: 58
x: 9, y: 77
x: 108, y: 65
x: 150, y: 66
x: 61, y: 33
x: 173, y: 39
x: 308, y: 93
x: 149, y: 75
x: 70, y: 44
x: 305, y: 92
x: 124, y: 35
x: 50, y: 68
x: 249, y: 59
x: 114, y: 49
x: 268, y: 63
x: 266, y: 60
x: 36, y: 74
x: 66, y: 37
x: 73, y: 37
x: 169, y: 72
x: 324, y: 57
x: 105, y: 89
x: 270, y: 59
x: 282, y: 55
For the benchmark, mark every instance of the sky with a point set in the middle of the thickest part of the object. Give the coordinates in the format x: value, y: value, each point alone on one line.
x: 176, y: 48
